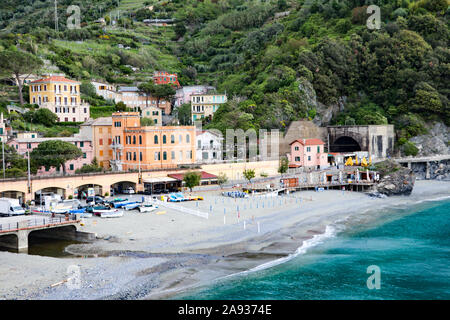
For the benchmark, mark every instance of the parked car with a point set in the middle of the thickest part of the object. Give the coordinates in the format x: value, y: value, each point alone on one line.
x: 96, y: 200
x: 128, y: 190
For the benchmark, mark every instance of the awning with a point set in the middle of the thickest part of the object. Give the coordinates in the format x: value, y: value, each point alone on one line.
x: 204, y: 176
x: 160, y: 180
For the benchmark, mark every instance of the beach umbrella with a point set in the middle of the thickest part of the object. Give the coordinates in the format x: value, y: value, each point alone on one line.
x: 370, y: 161
x: 364, y: 162
x: 349, y: 162
x: 367, y: 173
x: 340, y: 176
x: 356, y: 161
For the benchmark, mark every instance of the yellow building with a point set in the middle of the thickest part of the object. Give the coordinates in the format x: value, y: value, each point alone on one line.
x: 152, y: 147
x: 61, y: 96
x: 205, y: 105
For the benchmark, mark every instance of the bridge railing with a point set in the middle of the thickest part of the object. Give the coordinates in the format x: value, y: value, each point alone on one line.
x: 37, y: 222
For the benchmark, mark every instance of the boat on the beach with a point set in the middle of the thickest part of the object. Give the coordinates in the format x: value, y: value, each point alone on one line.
x: 131, y: 206
x: 147, y: 207
x: 86, y: 215
x: 111, y: 214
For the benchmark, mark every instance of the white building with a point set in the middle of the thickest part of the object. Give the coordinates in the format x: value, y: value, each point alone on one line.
x: 183, y: 95
x: 208, y: 147
x: 106, y: 90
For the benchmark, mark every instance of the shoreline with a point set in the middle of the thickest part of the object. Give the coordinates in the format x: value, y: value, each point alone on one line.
x: 184, y: 251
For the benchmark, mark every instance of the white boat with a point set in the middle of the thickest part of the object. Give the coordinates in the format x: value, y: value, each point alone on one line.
x: 147, y: 207
x: 111, y: 214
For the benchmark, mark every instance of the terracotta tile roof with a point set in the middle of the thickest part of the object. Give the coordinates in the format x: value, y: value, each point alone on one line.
x: 309, y: 142
x: 55, y: 79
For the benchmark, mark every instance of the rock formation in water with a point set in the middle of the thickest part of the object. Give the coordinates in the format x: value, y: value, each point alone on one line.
x: 394, y: 179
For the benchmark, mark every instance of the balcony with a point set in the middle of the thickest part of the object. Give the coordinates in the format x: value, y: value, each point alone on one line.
x: 116, y: 146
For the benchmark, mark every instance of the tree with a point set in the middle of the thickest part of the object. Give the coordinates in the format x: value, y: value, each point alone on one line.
x: 163, y: 91
x: 120, y: 106
x: 222, y: 179
x: 192, y: 179
x: 18, y: 63
x: 284, y: 165
x: 147, y: 89
x: 180, y: 30
x: 147, y: 122
x: 42, y: 116
x: 55, y: 153
x: 249, y: 174
x: 184, y: 114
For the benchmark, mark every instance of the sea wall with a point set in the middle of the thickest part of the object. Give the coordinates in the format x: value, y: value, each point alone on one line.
x: 437, y: 170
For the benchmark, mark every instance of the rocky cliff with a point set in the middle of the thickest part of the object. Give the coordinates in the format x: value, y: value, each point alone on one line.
x: 394, y: 179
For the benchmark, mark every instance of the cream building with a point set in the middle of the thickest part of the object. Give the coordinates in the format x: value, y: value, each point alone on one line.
x: 205, y: 105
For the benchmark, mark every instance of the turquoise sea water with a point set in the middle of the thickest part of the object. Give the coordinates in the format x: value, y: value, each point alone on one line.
x: 411, y: 246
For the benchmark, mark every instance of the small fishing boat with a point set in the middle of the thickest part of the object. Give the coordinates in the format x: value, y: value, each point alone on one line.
x: 131, y: 206
x: 147, y: 207
x: 82, y: 210
x: 111, y: 214
x: 122, y: 203
x: 86, y: 215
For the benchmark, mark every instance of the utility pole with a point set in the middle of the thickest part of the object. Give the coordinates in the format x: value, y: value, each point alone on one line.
x: 56, y: 16
x: 3, y: 156
x: 29, y: 173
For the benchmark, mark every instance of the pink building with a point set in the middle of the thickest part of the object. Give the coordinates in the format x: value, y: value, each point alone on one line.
x: 22, y: 145
x: 308, y: 153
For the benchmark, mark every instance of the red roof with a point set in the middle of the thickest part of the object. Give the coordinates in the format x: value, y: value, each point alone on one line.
x: 205, y: 176
x: 309, y: 142
x: 55, y: 79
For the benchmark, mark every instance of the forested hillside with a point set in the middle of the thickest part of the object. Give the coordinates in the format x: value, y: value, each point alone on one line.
x: 281, y: 60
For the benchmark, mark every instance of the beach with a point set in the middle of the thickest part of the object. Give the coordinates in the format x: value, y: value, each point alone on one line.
x: 159, y: 254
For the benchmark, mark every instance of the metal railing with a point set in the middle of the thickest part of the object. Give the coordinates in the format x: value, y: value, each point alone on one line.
x: 14, y: 226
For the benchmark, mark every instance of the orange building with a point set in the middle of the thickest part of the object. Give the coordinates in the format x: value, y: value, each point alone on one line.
x: 135, y: 147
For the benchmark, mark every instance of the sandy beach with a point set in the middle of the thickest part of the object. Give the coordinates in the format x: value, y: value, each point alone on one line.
x: 155, y: 255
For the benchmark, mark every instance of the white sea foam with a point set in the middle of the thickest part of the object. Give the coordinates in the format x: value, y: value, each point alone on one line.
x: 330, y: 232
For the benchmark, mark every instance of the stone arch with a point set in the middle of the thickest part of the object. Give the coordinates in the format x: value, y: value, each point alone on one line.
x: 83, y: 187
x: 47, y: 190
x: 14, y: 194
x: 9, y: 241
x: 345, y: 144
x: 119, y: 186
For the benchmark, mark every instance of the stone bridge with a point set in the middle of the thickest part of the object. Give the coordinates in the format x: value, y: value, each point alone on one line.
x: 378, y: 140
x: 15, y: 231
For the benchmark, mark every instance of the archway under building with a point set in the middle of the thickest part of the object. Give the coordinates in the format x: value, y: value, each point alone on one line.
x: 121, y: 186
x: 81, y: 192
x: 13, y: 194
x: 40, y: 194
x: 345, y: 144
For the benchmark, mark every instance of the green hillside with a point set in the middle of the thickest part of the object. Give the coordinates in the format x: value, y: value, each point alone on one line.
x: 284, y: 59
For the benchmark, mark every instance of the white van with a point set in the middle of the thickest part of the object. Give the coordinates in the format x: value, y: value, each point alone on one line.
x: 10, y: 207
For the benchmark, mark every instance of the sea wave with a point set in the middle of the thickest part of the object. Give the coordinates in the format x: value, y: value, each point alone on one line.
x: 330, y: 232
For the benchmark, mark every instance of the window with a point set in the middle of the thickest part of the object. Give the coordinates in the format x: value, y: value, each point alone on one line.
x: 84, y: 155
x: 318, y: 149
x: 156, y: 155
x: 308, y: 149
x: 117, y: 124
x: 81, y: 144
x: 100, y: 142
x: 164, y: 155
x: 140, y: 156
x: 164, y: 139
x: 205, y: 155
x: 309, y: 158
x: 101, y: 153
x: 181, y: 155
x: 180, y: 138
x: 140, y: 139
x: 296, y: 148
x: 297, y: 159
x: 188, y: 138
x: 172, y: 139
x: 134, y: 139
x: 199, y: 144
x: 156, y: 140
x: 172, y: 154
